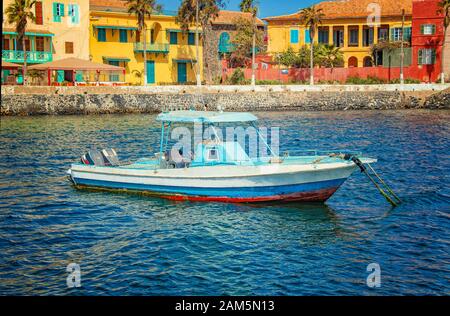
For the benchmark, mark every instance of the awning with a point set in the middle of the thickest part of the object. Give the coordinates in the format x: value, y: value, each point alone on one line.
x: 115, y: 27
x: 187, y: 60
x: 30, y: 32
x: 76, y: 64
x: 181, y: 31
x: 202, y: 116
x: 120, y: 59
x: 6, y: 64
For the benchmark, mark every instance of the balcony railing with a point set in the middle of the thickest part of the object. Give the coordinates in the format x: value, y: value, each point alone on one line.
x: 152, y: 48
x: 17, y: 56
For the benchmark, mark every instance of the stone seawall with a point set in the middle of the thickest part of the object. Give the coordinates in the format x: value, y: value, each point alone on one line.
x: 107, y: 100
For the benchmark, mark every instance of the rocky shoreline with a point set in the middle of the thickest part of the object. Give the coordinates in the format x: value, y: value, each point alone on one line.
x: 110, y: 100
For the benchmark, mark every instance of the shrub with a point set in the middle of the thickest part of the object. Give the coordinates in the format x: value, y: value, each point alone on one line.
x: 237, y: 77
x: 407, y: 81
x: 369, y: 80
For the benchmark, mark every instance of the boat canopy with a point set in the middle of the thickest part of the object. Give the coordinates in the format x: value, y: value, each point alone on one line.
x: 206, y: 117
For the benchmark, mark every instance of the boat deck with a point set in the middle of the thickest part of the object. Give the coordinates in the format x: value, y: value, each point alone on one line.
x: 153, y: 163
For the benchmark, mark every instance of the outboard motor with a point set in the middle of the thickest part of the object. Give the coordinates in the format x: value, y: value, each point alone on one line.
x: 93, y: 157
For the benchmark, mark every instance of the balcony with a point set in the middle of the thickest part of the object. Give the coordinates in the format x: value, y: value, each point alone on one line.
x: 17, y: 56
x: 152, y: 48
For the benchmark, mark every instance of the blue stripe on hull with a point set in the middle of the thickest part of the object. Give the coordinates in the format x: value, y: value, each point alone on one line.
x: 244, y: 192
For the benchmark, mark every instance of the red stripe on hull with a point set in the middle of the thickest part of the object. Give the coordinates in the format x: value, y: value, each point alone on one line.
x: 313, y: 196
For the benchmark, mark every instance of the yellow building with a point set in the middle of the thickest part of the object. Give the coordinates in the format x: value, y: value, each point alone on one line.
x: 347, y: 24
x: 60, y: 31
x: 114, y: 39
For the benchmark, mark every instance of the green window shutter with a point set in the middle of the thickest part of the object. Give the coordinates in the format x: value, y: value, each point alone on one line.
x: 422, y: 29
x: 307, y: 36
x: 433, y: 56
x: 420, y: 55
x: 70, y: 12
x: 434, y: 29
x: 123, y: 36
x: 77, y: 13
x: 173, y: 38
x: 294, y: 36
x: 191, y: 39
x: 79, y: 76
x: 407, y: 34
x: 392, y: 34
x: 56, y: 17
x: 61, y: 5
x: 60, y: 76
x: 101, y: 35
x: 74, y: 13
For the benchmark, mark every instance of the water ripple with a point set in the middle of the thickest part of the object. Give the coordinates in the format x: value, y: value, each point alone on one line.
x: 135, y: 245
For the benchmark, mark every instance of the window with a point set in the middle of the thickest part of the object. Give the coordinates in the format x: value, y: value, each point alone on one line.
x: 114, y: 77
x: 191, y: 39
x: 5, y: 43
x: 338, y: 38
x: 407, y: 34
x: 123, y: 36
x: 323, y: 36
x: 74, y: 13
x: 39, y: 43
x: 173, y: 38
x: 20, y: 45
x: 101, y: 35
x: 58, y: 11
x: 367, y: 37
x: 428, y: 29
x: 69, y: 47
x: 38, y: 13
x: 354, y: 37
x: 307, y: 37
x: 427, y: 56
x: 294, y: 36
x: 396, y: 34
x: 383, y: 34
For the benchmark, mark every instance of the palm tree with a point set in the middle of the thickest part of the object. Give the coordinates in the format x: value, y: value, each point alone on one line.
x: 250, y: 7
x: 143, y: 9
x: 330, y: 56
x: 19, y: 12
x: 207, y: 10
x: 311, y: 18
x: 444, y: 8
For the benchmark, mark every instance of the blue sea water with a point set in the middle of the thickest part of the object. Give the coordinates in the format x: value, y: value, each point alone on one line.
x: 136, y: 245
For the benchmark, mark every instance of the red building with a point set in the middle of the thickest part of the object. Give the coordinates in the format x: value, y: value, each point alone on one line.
x: 427, y: 40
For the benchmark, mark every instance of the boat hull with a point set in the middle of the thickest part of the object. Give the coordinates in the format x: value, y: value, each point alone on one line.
x: 235, y: 184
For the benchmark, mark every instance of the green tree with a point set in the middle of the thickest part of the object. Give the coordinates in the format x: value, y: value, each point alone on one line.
x: 243, y: 41
x: 19, y: 12
x: 250, y: 6
x: 311, y: 18
x: 143, y: 9
x: 444, y: 8
x: 329, y: 56
x: 208, y: 10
